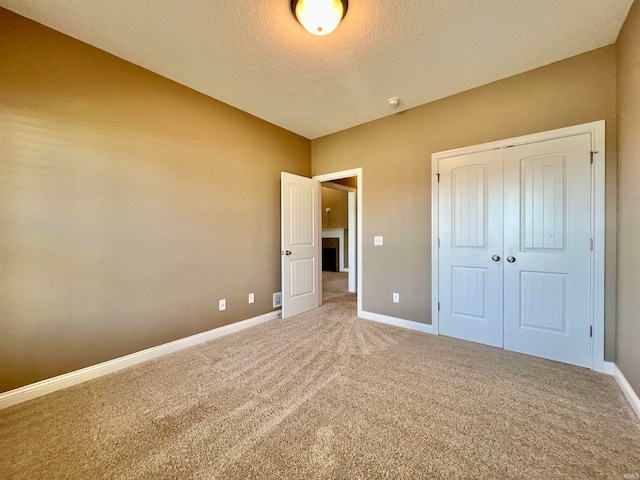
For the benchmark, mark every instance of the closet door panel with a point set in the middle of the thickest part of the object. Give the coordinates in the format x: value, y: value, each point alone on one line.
x: 547, y: 208
x: 470, y: 235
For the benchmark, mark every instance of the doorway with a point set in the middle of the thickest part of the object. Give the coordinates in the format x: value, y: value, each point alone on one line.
x: 338, y: 236
x: 301, y: 240
x: 519, y: 250
x: 345, y: 233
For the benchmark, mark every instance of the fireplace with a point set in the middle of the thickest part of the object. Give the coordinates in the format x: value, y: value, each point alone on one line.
x: 330, y: 254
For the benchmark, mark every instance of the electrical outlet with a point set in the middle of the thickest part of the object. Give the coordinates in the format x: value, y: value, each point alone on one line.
x: 378, y: 240
x: 252, y: 298
x: 277, y: 299
x: 222, y: 304
x: 396, y: 297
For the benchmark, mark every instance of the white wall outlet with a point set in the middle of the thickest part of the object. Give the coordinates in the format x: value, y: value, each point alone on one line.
x: 252, y: 298
x: 378, y: 240
x: 222, y: 304
x: 396, y: 297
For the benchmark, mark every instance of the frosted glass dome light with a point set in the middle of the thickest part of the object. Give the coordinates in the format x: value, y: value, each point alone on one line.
x: 319, y: 17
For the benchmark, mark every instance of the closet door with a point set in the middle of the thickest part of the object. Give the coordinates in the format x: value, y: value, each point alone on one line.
x: 547, y: 268
x: 471, y: 244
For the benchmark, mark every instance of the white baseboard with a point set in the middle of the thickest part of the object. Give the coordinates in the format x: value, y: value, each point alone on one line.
x: 398, y: 322
x: 50, y: 385
x: 607, y: 368
x: 632, y: 396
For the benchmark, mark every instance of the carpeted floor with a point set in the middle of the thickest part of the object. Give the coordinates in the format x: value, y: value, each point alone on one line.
x: 328, y: 395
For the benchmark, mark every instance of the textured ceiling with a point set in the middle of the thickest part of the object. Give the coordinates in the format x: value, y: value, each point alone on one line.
x: 252, y: 54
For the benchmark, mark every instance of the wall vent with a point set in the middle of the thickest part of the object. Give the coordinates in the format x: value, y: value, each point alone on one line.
x: 277, y: 299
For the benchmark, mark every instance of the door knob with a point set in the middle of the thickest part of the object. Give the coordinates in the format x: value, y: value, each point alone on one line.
x: 496, y: 258
x: 288, y: 252
x: 511, y: 259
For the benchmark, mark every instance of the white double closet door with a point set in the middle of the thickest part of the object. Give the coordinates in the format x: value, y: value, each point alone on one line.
x: 515, y: 248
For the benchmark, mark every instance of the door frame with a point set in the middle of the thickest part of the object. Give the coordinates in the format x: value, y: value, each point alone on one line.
x: 597, y: 131
x: 354, y: 172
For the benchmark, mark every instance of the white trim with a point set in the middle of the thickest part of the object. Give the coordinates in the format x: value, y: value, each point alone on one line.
x: 351, y: 235
x: 339, y: 233
x: 327, y: 177
x: 608, y: 368
x: 38, y: 389
x: 597, y: 131
x: 435, y: 235
x: 629, y: 393
x: 526, y: 139
x: 354, y: 172
x: 398, y: 322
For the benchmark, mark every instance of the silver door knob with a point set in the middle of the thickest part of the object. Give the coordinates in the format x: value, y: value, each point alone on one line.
x: 511, y: 259
x: 496, y: 258
x: 288, y: 252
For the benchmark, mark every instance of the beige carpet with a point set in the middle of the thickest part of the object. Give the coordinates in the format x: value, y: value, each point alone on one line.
x: 327, y: 395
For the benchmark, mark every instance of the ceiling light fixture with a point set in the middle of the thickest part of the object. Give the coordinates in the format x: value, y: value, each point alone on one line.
x: 319, y: 17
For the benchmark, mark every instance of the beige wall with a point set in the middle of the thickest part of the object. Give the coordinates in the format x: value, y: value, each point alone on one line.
x: 129, y: 205
x: 628, y: 76
x: 337, y: 201
x: 395, y: 153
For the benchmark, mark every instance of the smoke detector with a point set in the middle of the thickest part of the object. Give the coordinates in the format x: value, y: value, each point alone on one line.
x: 393, y: 102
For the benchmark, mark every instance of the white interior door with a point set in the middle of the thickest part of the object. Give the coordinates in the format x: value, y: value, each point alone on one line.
x: 301, y: 228
x: 471, y: 244
x: 547, y: 272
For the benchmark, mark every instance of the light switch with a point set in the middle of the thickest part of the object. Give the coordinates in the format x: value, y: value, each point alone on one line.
x: 252, y: 298
x: 396, y: 297
x: 222, y: 304
x: 377, y: 240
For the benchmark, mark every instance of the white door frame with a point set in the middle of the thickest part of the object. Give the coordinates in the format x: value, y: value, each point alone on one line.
x: 597, y: 131
x: 355, y: 172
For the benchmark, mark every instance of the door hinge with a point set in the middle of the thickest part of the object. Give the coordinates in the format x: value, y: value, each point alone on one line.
x: 438, y: 175
x: 592, y: 154
x: 438, y: 243
x: 438, y: 306
x: 591, y: 331
x: 592, y: 244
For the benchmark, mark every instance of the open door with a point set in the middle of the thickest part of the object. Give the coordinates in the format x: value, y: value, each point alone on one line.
x: 300, y: 241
